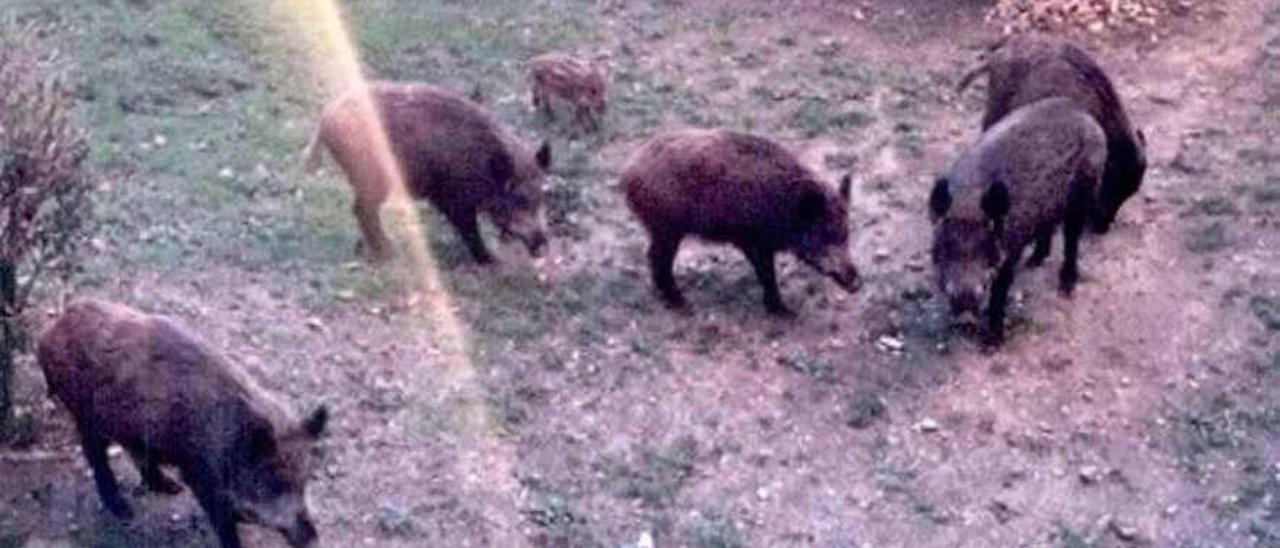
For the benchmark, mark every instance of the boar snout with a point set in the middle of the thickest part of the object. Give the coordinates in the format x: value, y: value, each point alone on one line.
x: 536, y: 243
x: 303, y: 533
x: 839, y: 267
x: 965, y: 299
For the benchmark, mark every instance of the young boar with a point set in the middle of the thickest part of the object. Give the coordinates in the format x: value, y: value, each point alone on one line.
x: 144, y: 383
x: 1035, y: 169
x: 1024, y: 69
x: 743, y: 190
x: 581, y: 84
x: 451, y: 153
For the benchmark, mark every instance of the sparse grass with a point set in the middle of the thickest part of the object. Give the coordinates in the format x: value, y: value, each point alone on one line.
x: 816, y: 117
x: 713, y: 531
x: 653, y: 475
x: 1267, y: 310
x: 1208, y: 238
x: 1213, y: 206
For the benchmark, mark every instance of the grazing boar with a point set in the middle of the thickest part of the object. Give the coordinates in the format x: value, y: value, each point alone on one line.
x: 743, y: 190
x: 1036, y: 169
x: 1024, y: 69
x: 581, y: 84
x: 451, y: 153
x: 144, y: 383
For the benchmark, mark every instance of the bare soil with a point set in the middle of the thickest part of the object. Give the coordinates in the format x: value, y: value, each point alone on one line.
x: 1141, y: 412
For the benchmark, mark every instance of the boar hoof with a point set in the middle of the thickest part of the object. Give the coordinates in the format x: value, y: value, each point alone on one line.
x: 991, y: 341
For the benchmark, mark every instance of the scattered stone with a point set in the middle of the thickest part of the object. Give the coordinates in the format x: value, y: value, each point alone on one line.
x: 645, y: 540
x: 1124, y: 531
x: 160, y: 140
x: 226, y: 173
x: 1089, y: 475
x: 315, y: 324
x: 927, y: 425
x: 890, y: 343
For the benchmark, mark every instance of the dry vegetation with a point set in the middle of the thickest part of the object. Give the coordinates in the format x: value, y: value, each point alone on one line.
x: 1093, y: 15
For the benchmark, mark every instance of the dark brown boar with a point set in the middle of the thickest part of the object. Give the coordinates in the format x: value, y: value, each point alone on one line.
x: 1024, y: 69
x: 451, y: 153
x: 1036, y: 169
x: 578, y: 82
x: 743, y: 190
x: 144, y: 383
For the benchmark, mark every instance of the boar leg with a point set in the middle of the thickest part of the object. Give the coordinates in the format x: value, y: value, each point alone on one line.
x: 1044, y: 241
x: 662, y: 257
x: 999, y: 301
x: 217, y: 505
x: 1070, y: 272
x: 468, y: 225
x: 95, y: 451
x: 153, y: 478
x: 762, y: 261
x: 374, y: 242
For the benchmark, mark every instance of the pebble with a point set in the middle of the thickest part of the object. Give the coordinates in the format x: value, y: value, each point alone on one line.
x: 645, y: 540
x: 1088, y: 474
x: 928, y: 425
x: 892, y: 344
x: 315, y: 324
x: 226, y: 173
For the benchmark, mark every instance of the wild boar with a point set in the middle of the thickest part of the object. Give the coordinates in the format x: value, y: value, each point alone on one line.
x: 1036, y: 169
x: 571, y: 79
x: 1024, y: 69
x: 142, y: 382
x: 743, y: 190
x: 451, y: 153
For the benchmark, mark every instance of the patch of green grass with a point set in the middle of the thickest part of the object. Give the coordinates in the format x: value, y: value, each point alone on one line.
x: 809, y: 365
x: 654, y: 475
x: 817, y: 117
x: 1210, y: 238
x: 864, y: 409
x: 1267, y: 310
x: 713, y: 531
x: 1213, y: 206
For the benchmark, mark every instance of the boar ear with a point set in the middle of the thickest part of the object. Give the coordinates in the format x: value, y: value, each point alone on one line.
x: 810, y: 208
x: 314, y: 424
x: 544, y: 155
x: 846, y: 187
x: 939, y: 198
x: 995, y: 202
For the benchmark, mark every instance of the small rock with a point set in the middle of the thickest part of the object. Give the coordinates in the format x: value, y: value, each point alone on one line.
x: 1089, y: 474
x: 645, y: 540
x: 226, y: 173
x: 160, y: 140
x: 892, y: 344
x: 1124, y: 531
x: 881, y: 254
x: 345, y: 295
x: 762, y: 494
x: 928, y: 425
x: 315, y: 324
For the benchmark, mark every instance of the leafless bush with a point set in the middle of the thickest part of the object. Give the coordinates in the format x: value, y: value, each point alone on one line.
x: 43, y: 185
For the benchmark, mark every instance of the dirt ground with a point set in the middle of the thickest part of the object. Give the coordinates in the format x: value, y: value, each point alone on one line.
x: 1142, y: 412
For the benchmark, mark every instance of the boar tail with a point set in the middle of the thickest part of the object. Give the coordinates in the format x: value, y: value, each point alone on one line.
x: 311, y: 155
